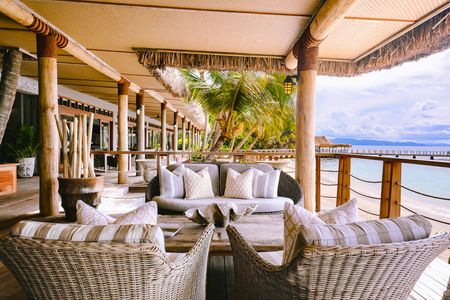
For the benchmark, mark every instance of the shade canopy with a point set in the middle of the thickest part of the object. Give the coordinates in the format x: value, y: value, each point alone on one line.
x: 139, y: 37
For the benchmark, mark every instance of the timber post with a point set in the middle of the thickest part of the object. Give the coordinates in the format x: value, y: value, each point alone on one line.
x: 140, y: 130
x: 391, y: 190
x: 175, y: 131
x: 48, y: 133
x: 183, y: 135
x: 189, y: 136
x: 163, y: 126
x: 343, y: 186
x: 318, y: 184
x: 122, y: 164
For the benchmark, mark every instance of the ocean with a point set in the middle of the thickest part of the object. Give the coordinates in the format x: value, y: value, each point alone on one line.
x: 425, y: 179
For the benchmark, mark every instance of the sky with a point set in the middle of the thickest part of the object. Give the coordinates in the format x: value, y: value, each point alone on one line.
x: 410, y: 102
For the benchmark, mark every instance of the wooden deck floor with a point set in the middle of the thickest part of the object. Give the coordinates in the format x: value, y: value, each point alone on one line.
x: 25, y: 204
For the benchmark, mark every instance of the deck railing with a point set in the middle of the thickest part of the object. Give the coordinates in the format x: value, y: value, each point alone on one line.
x: 391, y: 177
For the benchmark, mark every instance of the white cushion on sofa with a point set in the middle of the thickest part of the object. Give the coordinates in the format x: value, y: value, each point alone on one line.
x: 197, y: 185
x: 213, y: 170
x: 181, y: 205
x: 239, y: 185
x: 171, y: 184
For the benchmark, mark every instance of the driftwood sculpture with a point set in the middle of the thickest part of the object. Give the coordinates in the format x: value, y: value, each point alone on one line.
x: 76, y: 140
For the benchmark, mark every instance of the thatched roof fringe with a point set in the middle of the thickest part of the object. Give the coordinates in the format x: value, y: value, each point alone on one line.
x: 171, y: 79
x: 430, y: 37
x: 152, y: 59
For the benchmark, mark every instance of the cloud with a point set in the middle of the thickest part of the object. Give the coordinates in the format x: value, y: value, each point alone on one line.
x: 407, y: 103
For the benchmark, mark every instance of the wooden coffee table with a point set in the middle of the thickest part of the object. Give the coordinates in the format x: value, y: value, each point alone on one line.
x: 263, y: 232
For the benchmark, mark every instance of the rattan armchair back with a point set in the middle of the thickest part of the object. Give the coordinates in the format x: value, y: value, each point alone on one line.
x: 80, y: 270
x: 387, y: 271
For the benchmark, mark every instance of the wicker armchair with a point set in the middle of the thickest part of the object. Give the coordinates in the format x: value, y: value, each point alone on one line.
x: 387, y: 271
x: 79, y: 270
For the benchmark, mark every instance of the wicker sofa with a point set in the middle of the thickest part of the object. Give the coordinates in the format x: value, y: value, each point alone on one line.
x: 55, y: 269
x: 288, y: 190
x: 386, y: 271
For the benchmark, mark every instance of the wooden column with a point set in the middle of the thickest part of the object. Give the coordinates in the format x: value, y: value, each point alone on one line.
x: 183, y: 134
x: 189, y: 139
x: 343, y: 187
x: 163, y: 126
x: 391, y: 190
x: 140, y: 129
x: 175, y: 131
x: 305, y: 120
x: 48, y: 133
x: 123, y: 131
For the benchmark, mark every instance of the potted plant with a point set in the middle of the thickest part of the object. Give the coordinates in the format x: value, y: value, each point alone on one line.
x: 24, y: 150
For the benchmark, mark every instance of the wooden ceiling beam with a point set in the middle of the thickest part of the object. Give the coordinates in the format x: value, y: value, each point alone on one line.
x: 329, y: 15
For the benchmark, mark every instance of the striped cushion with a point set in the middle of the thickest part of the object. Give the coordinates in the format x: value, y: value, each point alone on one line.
x: 265, y: 185
x: 295, y: 216
x: 138, y: 233
x: 373, y: 232
x: 171, y: 183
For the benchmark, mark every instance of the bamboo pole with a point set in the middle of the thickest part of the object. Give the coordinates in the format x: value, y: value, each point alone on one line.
x: 85, y: 149
x: 48, y: 132
x: 64, y: 149
x: 80, y: 147
x: 75, y: 149
x: 183, y: 134
x: 175, y: 131
x: 91, y: 159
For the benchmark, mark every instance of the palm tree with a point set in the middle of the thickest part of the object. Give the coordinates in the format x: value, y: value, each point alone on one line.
x: 12, y: 60
x: 232, y: 98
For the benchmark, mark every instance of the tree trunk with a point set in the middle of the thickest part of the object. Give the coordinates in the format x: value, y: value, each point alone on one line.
x: 216, y: 136
x: 214, y: 148
x: 8, y: 86
x: 253, y: 143
x: 205, y: 135
x: 232, y: 142
x: 249, y: 134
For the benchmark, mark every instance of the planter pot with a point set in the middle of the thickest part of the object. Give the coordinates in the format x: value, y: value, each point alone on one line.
x: 149, y: 168
x: 89, y: 190
x: 25, y: 169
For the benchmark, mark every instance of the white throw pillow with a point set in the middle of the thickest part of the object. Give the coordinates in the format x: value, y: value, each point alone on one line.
x: 265, y: 185
x: 171, y: 184
x: 239, y: 185
x: 145, y: 214
x: 296, y: 216
x: 198, y: 185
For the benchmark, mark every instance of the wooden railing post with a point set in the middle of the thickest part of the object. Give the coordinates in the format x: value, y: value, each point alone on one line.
x: 343, y: 187
x: 317, y: 183
x: 391, y: 190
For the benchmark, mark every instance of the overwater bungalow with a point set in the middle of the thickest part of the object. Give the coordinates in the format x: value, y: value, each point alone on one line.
x: 99, y: 82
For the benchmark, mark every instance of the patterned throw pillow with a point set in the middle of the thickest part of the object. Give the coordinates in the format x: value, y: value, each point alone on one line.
x: 198, y: 185
x: 239, y: 185
x: 296, y: 216
x: 371, y: 232
x: 136, y: 233
x: 145, y: 214
x: 265, y: 185
x: 171, y: 183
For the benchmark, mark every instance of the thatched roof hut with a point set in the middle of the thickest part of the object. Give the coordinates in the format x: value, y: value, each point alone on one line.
x: 324, y: 142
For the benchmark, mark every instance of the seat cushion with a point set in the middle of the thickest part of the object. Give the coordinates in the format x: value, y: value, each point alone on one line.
x: 240, y: 168
x: 373, y: 232
x: 212, y: 169
x: 129, y: 234
x: 265, y: 205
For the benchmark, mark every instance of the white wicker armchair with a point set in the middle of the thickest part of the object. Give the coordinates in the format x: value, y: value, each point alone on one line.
x: 387, y: 271
x: 81, y: 270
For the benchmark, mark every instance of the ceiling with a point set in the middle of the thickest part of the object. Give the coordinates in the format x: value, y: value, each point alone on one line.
x: 112, y: 29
